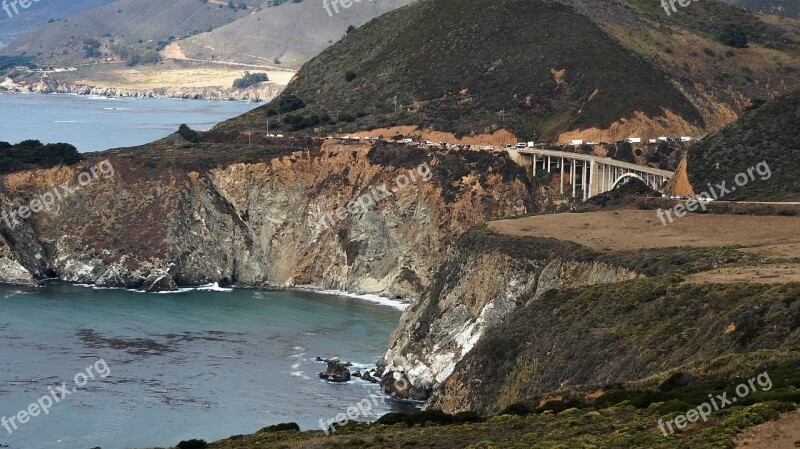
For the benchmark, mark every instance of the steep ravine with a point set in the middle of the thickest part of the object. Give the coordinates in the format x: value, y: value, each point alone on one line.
x: 156, y: 224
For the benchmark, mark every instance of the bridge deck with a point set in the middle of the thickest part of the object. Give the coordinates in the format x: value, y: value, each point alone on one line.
x: 597, y: 159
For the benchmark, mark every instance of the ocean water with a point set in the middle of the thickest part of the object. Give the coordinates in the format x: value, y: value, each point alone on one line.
x: 170, y: 367
x: 96, y: 123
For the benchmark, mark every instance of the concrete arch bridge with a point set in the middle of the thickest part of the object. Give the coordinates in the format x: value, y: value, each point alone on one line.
x: 586, y: 175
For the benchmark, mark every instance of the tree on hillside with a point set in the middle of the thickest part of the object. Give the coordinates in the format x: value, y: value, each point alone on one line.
x: 188, y: 133
x: 734, y: 36
x: 250, y: 79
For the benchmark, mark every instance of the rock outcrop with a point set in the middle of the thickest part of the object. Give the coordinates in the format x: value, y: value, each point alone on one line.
x: 336, y: 372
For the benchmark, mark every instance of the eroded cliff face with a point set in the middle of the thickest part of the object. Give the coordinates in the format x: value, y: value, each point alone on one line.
x: 479, y: 286
x: 155, y: 225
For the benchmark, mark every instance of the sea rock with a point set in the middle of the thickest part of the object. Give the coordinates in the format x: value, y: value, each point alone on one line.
x: 368, y: 377
x: 115, y: 277
x: 337, y: 371
x: 159, y: 281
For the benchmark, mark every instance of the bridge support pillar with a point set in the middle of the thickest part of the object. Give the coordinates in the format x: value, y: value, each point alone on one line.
x: 583, y: 182
x: 562, y: 176
x: 572, y: 176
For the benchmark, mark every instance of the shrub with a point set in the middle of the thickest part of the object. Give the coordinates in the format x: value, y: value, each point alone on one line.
x: 467, y: 417
x: 188, y: 133
x: 518, y: 409
x: 282, y: 427
x: 193, y: 444
x: 250, y: 79
x: 33, y: 153
x: 734, y: 36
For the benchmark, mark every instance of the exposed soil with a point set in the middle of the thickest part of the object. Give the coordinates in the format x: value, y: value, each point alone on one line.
x: 498, y: 138
x: 780, y: 434
x: 769, y: 274
x: 636, y: 229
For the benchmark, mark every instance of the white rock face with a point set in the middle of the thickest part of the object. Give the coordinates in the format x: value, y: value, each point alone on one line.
x: 13, y: 272
x: 445, y: 325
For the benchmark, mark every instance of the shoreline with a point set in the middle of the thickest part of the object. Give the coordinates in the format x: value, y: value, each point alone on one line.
x: 215, y: 287
x: 48, y: 85
x: 112, y: 97
x: 376, y: 299
x: 135, y: 97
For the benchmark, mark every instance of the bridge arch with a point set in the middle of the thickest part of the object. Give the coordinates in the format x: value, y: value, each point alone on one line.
x: 626, y: 176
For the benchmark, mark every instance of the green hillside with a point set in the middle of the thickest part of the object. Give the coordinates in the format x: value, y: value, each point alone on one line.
x: 530, y: 67
x: 138, y: 23
x: 771, y: 134
x: 39, y: 14
x: 785, y: 8
x: 289, y: 34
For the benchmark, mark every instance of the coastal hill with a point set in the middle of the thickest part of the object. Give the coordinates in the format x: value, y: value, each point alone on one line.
x: 767, y: 134
x: 39, y: 14
x: 287, y: 35
x: 784, y: 8
x: 629, y: 255
x: 140, y: 24
x: 608, y: 72
x: 184, y: 49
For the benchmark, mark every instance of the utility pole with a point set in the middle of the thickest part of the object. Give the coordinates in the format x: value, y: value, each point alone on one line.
x: 395, y: 105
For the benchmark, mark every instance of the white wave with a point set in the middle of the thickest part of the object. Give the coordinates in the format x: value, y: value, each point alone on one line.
x: 371, y: 298
x: 363, y: 366
x: 65, y: 121
x: 206, y: 288
x: 203, y: 288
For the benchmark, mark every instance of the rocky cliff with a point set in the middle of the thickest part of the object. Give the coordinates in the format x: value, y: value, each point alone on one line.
x: 525, y: 320
x: 366, y: 219
x: 481, y: 285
